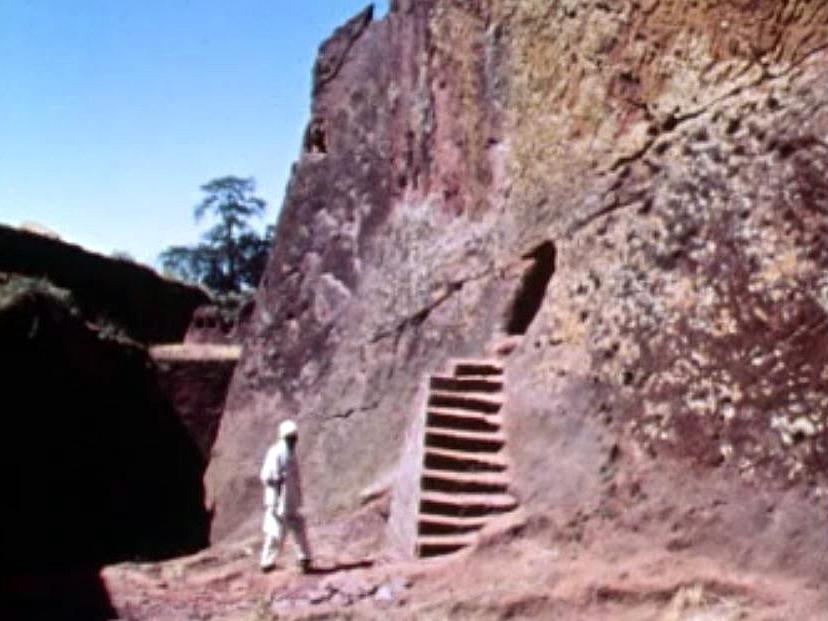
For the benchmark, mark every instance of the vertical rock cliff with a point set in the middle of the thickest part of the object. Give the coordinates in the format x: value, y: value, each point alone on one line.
x: 626, y: 201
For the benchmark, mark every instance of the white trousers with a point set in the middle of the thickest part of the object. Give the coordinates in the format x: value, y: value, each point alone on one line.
x: 275, y: 529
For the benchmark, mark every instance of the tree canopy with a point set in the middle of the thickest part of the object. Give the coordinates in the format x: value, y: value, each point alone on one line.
x: 231, y: 255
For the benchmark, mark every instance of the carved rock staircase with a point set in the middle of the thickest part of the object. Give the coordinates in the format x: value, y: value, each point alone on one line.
x: 464, y: 478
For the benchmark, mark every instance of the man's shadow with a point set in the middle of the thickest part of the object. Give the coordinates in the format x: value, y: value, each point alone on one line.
x: 321, y: 570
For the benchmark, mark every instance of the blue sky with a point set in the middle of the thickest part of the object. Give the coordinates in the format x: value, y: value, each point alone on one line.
x: 114, y: 112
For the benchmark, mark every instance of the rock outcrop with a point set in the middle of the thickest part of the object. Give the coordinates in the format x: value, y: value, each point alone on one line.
x: 143, y: 305
x: 627, y: 202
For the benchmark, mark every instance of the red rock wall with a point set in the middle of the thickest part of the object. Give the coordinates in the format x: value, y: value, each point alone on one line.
x: 195, y: 379
x: 675, y: 156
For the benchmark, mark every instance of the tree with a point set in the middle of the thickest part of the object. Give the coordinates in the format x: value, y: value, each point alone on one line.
x: 231, y: 256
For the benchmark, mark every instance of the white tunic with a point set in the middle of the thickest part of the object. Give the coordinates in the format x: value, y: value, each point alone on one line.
x: 280, y: 477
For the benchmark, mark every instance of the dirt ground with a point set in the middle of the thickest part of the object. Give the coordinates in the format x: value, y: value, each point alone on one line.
x: 519, y: 570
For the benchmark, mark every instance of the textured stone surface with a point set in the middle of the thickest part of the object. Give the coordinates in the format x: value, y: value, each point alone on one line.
x: 195, y: 379
x: 674, y: 157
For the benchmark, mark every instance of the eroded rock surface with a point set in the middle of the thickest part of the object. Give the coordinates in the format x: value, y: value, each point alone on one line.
x: 672, y: 382
x: 195, y: 377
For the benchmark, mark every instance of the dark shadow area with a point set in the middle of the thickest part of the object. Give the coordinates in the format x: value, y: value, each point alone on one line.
x: 532, y: 289
x: 71, y: 595
x: 330, y: 569
x: 315, y: 139
x: 96, y: 467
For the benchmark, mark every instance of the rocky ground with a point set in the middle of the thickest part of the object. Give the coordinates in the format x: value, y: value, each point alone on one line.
x: 505, y: 578
x: 655, y: 550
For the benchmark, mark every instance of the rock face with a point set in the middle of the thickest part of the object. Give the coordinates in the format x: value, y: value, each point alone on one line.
x: 147, y: 307
x: 195, y: 377
x: 626, y: 201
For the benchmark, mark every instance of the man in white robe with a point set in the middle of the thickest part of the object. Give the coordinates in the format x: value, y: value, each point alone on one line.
x: 283, y: 500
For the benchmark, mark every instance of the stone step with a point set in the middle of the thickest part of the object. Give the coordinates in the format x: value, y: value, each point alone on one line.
x: 483, y: 367
x: 463, y: 482
x: 434, y: 524
x: 466, y: 384
x: 462, y: 419
x: 474, y: 401
x: 473, y: 441
x: 438, y: 545
x: 465, y: 505
x: 463, y: 461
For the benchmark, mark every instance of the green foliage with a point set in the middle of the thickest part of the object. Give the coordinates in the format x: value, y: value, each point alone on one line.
x: 231, y: 256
